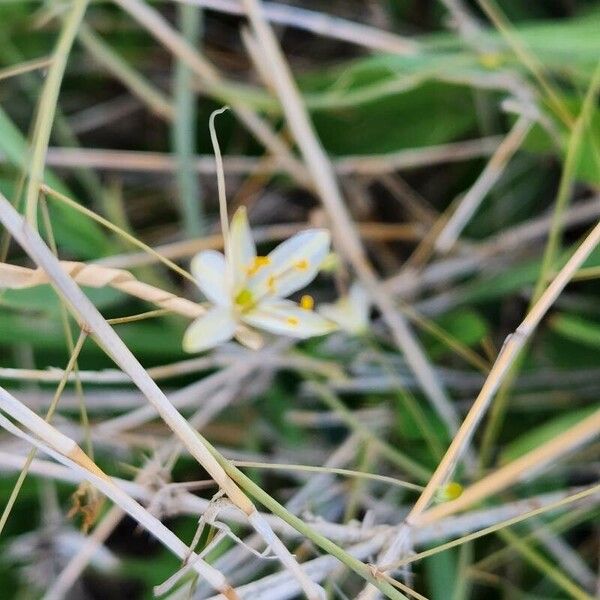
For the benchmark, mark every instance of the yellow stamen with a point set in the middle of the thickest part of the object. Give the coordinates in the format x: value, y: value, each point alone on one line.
x: 451, y: 491
x: 257, y: 264
x: 271, y: 284
x: 307, y: 302
x: 302, y: 264
x: 244, y: 298
x: 293, y: 321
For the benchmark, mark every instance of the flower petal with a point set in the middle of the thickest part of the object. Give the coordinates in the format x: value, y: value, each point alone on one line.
x: 285, y: 317
x: 210, y: 272
x: 293, y: 264
x: 215, y: 327
x: 350, y: 312
x: 242, y: 250
x: 249, y: 337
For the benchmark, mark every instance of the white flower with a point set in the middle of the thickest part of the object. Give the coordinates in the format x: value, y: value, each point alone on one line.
x: 246, y: 289
x: 350, y: 312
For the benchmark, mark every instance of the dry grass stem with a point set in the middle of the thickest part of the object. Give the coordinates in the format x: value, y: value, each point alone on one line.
x: 345, y: 233
x: 91, y: 275
x: 68, y: 453
x: 406, y: 186
x: 160, y: 28
x: 319, y: 23
x: 471, y: 201
x: 508, y: 353
x: 132, y: 161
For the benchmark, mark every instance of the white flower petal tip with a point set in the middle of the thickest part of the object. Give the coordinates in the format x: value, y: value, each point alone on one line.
x: 242, y: 250
x: 215, y: 327
x: 284, y: 317
x: 351, y: 312
x: 209, y: 269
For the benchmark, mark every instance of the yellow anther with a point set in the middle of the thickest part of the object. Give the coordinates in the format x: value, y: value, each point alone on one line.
x: 302, y: 264
x: 307, y: 302
x: 293, y: 321
x: 451, y: 491
x: 258, y: 263
x: 244, y: 298
x: 271, y: 284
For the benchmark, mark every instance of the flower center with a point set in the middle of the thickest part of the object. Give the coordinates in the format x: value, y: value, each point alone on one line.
x: 244, y: 299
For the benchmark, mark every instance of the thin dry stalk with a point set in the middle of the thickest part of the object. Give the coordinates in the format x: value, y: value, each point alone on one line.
x: 101, y: 114
x: 134, y: 161
x: 487, y: 179
x: 25, y: 67
x: 503, y: 244
x: 77, y: 565
x: 180, y: 399
x: 517, y: 470
x: 198, y: 421
x: 460, y: 525
x: 176, y: 369
x: 512, y: 346
x: 321, y: 24
x: 67, y: 452
x: 561, y: 551
x: 187, y: 503
x: 149, y: 473
x: 267, y: 233
x: 586, y: 493
x: 50, y: 413
x: 345, y: 231
x: 463, y: 20
x: 90, y: 275
x: 151, y: 96
x: 400, y: 542
x: 279, y: 586
x: 232, y: 561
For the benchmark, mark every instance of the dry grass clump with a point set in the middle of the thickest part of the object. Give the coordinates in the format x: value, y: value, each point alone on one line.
x: 440, y: 441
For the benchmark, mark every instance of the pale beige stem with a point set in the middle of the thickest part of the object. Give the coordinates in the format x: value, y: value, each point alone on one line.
x: 517, y: 470
x: 136, y: 161
x: 472, y: 200
x: 97, y: 276
x: 322, y: 24
x: 509, y: 352
x: 345, y: 231
x: 399, y: 544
